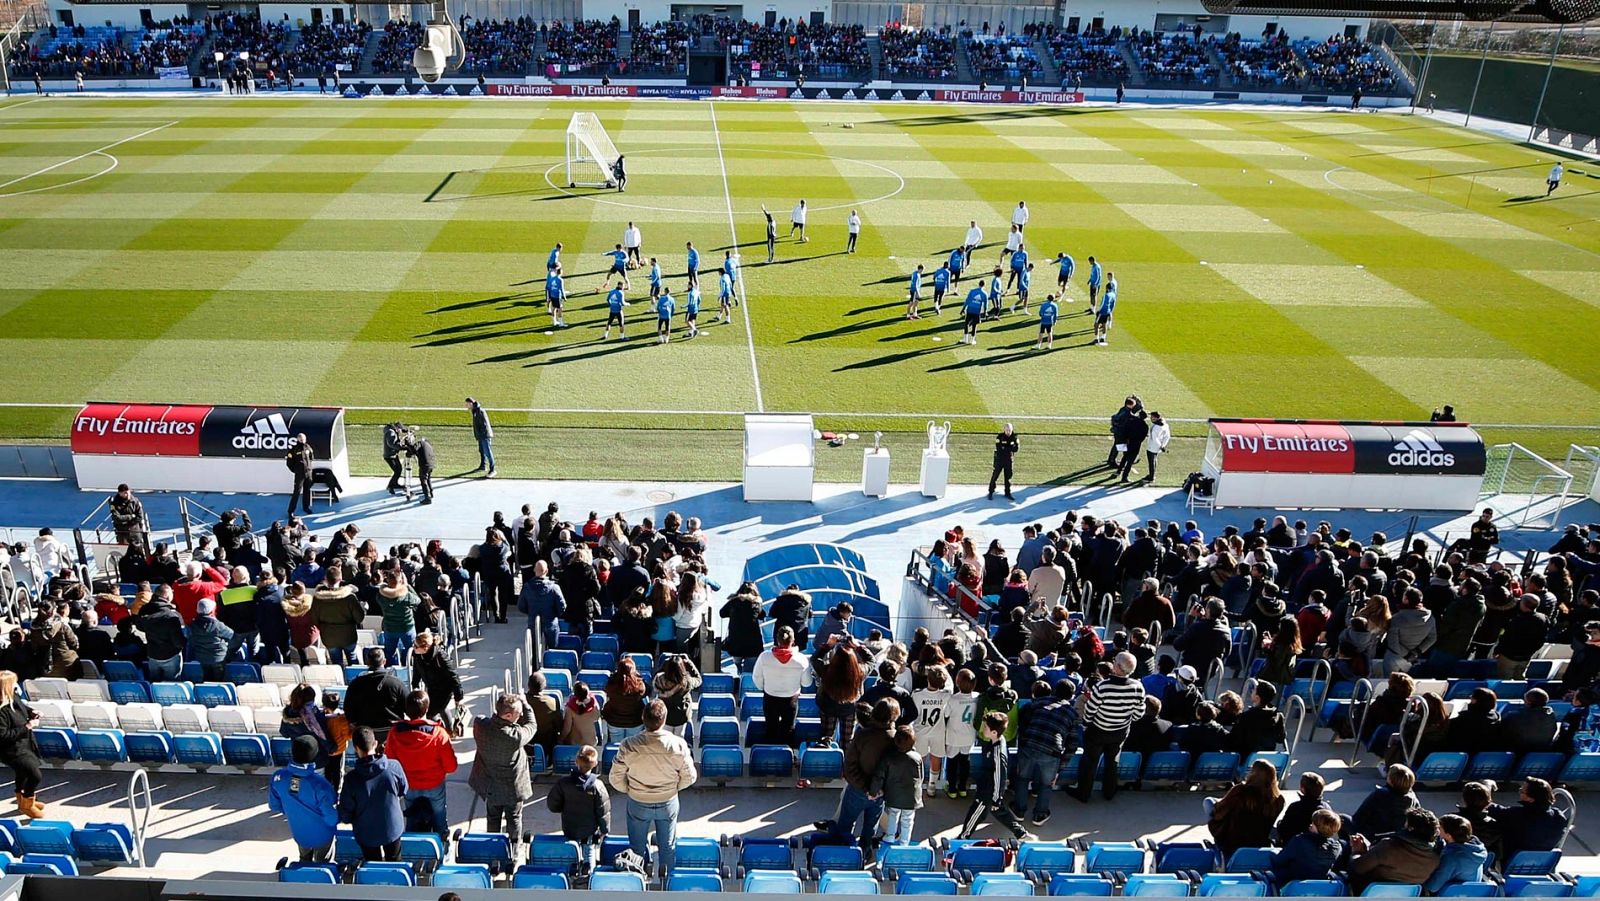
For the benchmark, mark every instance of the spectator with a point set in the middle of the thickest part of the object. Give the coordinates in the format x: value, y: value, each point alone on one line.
x: 1407, y: 857
x: 780, y: 675
x: 376, y: 699
x: 1261, y: 727
x: 1150, y: 609
x: 337, y: 613
x: 546, y: 707
x: 1385, y: 809
x: 743, y: 641
x: 307, y: 800
x: 500, y: 770
x: 1283, y: 650
x: 838, y: 691
x: 1207, y: 640
x: 1310, y: 853
x: 580, y: 797
x: 18, y: 749
x: 1244, y: 816
x: 208, y: 641
x: 199, y: 582
x: 1458, y: 623
x: 1532, y: 728
x: 372, y: 800
x: 898, y: 780
x: 1523, y: 636
x: 1533, y: 825
x: 1149, y: 734
x: 1462, y: 859
x: 1412, y: 632
x: 1047, y: 582
x: 399, y: 602
x: 422, y: 748
x: 674, y: 685
x: 626, y: 694
x: 1299, y: 815
x: 432, y: 671
x: 1389, y: 708
x: 1477, y: 727
x: 1011, y: 639
x: 651, y: 768
x: 544, y: 605
x: 580, y: 724
x: 1044, y: 744
x: 873, y: 739
x: 1110, y: 707
x: 236, y: 609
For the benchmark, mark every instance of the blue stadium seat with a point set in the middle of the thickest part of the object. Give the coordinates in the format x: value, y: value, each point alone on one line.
x: 538, y: 764
x: 1544, y: 765
x: 560, y: 660
x: 720, y: 730
x: 462, y: 875
x: 1006, y: 884
x: 1159, y: 885
x: 647, y: 666
x: 129, y: 692
x: 1166, y: 768
x: 390, y: 874
x: 558, y: 680
x: 198, y: 749
x: 608, y: 756
x: 718, y: 705
x: 1392, y: 890
x: 282, y: 750
x: 309, y: 873
x: 247, y: 751
x: 1187, y: 857
x: 1040, y: 861
x: 1230, y: 885
x: 747, y: 685
x: 552, y: 853
x: 1462, y: 689
x: 150, y: 747
x: 44, y: 865
x: 1496, y: 765
x: 8, y: 834
x: 104, y: 844
x: 121, y: 671
x: 1582, y: 768
x: 765, y: 854
x: 1278, y: 759
x: 104, y: 746
x: 606, y: 643
x: 567, y: 641
x: 168, y: 693
x: 240, y: 673
x: 492, y: 849
x: 193, y: 672
x: 565, y: 759
x: 821, y: 764
x: 1442, y: 768
x: 771, y: 761
x: 770, y: 882
x: 1215, y: 766
x: 1533, y: 863
x: 1249, y: 860
x: 354, y: 671
x: 807, y: 708
x: 753, y: 706
x: 896, y: 859
x: 346, y: 852
x: 1114, y: 858
x: 722, y: 762
x: 969, y: 859
x: 1471, y: 890
x: 1537, y: 887
x: 844, y: 882
x: 57, y: 744
x: 807, y: 730
x: 1586, y: 886
x: 718, y: 684
x: 46, y: 837
x: 698, y: 854
x: 927, y: 884
x: 1079, y: 885
x: 528, y: 877
x: 594, y: 678
x: 694, y: 879
x: 610, y: 846
x: 825, y: 858
x: 598, y: 660
x: 1313, y: 888
x: 604, y: 881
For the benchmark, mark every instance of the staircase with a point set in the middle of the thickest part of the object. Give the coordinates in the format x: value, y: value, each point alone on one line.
x: 875, y: 49
x: 1049, y: 73
x: 964, y: 73
x: 625, y: 45
x: 363, y: 64
x: 1224, y: 77
x: 1136, y: 77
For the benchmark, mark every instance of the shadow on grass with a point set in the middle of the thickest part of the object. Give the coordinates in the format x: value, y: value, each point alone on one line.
x: 1010, y: 354
x: 470, y: 304
x: 890, y: 359
x: 599, y: 349
x: 850, y: 329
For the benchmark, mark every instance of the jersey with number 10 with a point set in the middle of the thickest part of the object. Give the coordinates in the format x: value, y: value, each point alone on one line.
x: 930, y: 717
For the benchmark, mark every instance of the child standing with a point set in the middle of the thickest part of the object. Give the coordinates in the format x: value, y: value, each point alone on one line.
x: 993, y: 774
x: 584, y: 804
x: 897, y: 780
x: 960, y: 713
x: 931, y: 703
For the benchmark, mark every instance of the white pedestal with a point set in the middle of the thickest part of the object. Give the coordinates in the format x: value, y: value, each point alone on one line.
x: 935, y: 472
x: 875, y: 472
x: 779, y: 462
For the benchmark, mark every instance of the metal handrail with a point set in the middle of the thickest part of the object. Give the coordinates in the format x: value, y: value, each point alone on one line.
x: 1565, y: 802
x: 1214, y: 673
x: 139, y: 818
x: 1359, y: 721
x: 1319, y: 666
x: 1298, y: 710
x: 1421, y: 710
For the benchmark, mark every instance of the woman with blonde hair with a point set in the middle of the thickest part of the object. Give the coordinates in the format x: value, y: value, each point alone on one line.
x: 18, y: 749
x: 1377, y: 614
x: 664, y: 607
x: 1244, y: 816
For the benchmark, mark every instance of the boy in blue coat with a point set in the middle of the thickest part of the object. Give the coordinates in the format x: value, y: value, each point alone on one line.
x: 1462, y: 859
x: 306, y: 800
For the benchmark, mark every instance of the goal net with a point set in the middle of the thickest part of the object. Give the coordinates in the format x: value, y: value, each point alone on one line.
x: 590, y: 153
x: 1528, y: 491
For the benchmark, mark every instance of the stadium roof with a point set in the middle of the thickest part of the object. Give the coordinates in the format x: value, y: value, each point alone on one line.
x: 1548, y: 11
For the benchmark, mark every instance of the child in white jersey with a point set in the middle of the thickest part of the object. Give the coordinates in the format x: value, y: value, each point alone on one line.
x: 931, y: 703
x: 960, y: 732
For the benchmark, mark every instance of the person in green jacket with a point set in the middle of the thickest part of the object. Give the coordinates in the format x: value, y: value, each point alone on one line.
x: 398, y: 601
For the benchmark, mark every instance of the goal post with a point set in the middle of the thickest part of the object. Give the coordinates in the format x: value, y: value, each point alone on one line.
x: 590, y: 153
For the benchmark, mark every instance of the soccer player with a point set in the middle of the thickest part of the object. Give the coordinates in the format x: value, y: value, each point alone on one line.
x: 725, y: 298
x: 619, y: 267
x: 973, y: 239
x: 1048, y: 312
x: 1067, y: 264
x: 973, y: 310
x: 1094, y: 283
x: 691, y: 310
x: 941, y: 284
x: 1013, y: 241
x: 1019, y: 216
x: 655, y: 279
x: 1024, y: 282
x: 797, y: 221
x: 995, y: 294
x: 1019, y: 265
x: 633, y: 242
x: 958, y: 262
x: 665, y: 307
x: 1553, y: 181
x: 730, y: 268
x: 772, y: 233
x: 553, y: 262
x: 1108, y: 304
x: 853, y: 227
x: 914, y: 296
x: 694, y: 264
x: 614, y: 304
x: 555, y: 291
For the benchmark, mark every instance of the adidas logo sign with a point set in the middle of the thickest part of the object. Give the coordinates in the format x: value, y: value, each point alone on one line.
x: 897, y: 95
x: 1419, y: 449
x: 267, y: 433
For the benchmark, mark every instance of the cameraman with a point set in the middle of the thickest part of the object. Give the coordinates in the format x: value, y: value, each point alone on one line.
x: 422, y: 451
x: 235, y: 524
x: 394, y: 444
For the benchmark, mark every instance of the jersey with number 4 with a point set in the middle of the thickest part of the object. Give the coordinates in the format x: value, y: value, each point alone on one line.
x: 960, y: 726
x: 930, y: 719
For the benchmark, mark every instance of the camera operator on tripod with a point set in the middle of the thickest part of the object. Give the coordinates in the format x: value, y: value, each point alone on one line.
x: 395, y: 438
x: 422, y: 451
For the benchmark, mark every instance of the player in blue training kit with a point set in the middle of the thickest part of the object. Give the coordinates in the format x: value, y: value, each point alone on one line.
x: 730, y: 268
x: 1019, y: 265
x: 614, y: 304
x: 1048, y: 311
x: 1108, y: 305
x: 1067, y: 264
x: 665, y: 307
x: 694, y: 264
x: 655, y: 279
x: 619, y: 266
x: 725, y: 298
x: 941, y: 284
x: 914, y: 296
x: 1094, y: 284
x: 555, y: 291
x: 1024, y: 282
x: 691, y: 311
x: 973, y: 310
x: 995, y: 293
x: 553, y: 262
x: 958, y: 262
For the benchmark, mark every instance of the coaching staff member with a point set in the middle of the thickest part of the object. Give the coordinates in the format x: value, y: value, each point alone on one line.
x: 422, y: 450
x: 299, y: 462
x: 1005, y: 450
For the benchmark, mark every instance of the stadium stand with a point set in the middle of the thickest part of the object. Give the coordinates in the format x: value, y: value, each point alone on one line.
x: 1269, y: 63
x: 395, y: 46
x: 324, y: 47
x: 1091, y: 58
x: 1174, y: 58
x: 659, y: 49
x: 583, y: 47
x: 1343, y: 64
x: 1002, y: 57
x: 499, y: 47
x: 917, y: 54
x: 832, y: 50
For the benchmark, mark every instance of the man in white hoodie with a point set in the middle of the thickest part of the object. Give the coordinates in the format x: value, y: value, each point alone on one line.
x: 780, y: 673
x: 1156, y: 444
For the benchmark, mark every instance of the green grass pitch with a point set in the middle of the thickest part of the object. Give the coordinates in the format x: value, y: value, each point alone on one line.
x: 390, y: 253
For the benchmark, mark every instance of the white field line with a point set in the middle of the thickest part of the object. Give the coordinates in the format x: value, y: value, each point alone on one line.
x: 733, y: 232
x: 985, y: 417
x: 23, y: 103
x: 52, y: 168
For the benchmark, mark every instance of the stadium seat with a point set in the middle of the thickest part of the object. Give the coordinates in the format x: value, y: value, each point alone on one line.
x: 1544, y: 765
x: 1159, y: 885
x: 844, y: 882
x: 84, y: 690
x: 896, y: 859
x: 1006, y: 884
x: 309, y: 873
x: 1278, y: 759
x: 191, y: 672
x: 826, y: 858
x: 241, y: 673
x: 46, y: 689
x: 1187, y: 857
x: 821, y: 764
x: 558, y: 680
x: 1079, y: 885
x: 720, y: 730
x: 247, y: 750
x: 104, y: 843
x: 1114, y: 858
x: 1533, y: 863
x: 560, y: 660
x: 603, y: 660
x: 594, y: 678
x: 528, y: 877
x: 57, y: 744
x: 391, y: 874
x: 604, y: 881
x: 181, y: 718
x: 121, y: 671
x: 1442, y: 768
x: 1536, y: 887
x: 231, y: 719
x: 493, y: 849
x: 765, y: 854
x: 538, y: 764
x: 44, y: 865
x: 565, y: 759
x: 767, y: 882
x: 698, y: 854
x: 141, y: 717
x: 1586, y: 886
x: 1313, y: 888
x: 46, y: 837
x: 55, y: 714
x: 1391, y: 890
x: 1250, y: 860
x: 198, y: 749
x: 718, y: 684
x: 1230, y: 885
x: 94, y: 715
x: 607, y: 643
x: 721, y: 763
x: 462, y: 875
x: 751, y: 707
x: 323, y: 675
x: 554, y: 854
x: 568, y: 641
x: 154, y: 746
x: 719, y: 705
x: 283, y: 675
x: 129, y: 692
x: 968, y: 859
x: 1220, y: 767
x: 103, y: 746
x: 260, y: 696
x: 1497, y: 765
x: 1471, y: 890
x: 693, y: 879
x: 168, y: 693
x: 927, y: 884
x: 1581, y: 769
x: 1165, y: 768
x: 1040, y: 861
x: 771, y: 761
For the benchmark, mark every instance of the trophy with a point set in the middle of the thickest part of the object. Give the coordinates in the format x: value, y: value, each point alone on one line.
x: 938, y: 435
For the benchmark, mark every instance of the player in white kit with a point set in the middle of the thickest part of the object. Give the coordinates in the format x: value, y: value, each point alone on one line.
x: 960, y: 732
x: 931, y: 703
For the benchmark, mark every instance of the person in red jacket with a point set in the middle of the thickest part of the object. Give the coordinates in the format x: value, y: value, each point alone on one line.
x: 199, y: 582
x: 422, y: 748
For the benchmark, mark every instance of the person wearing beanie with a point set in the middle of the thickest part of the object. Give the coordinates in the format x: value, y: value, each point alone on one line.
x: 209, y: 640
x: 306, y: 799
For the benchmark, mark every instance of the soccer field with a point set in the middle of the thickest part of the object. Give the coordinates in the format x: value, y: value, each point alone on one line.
x: 390, y: 253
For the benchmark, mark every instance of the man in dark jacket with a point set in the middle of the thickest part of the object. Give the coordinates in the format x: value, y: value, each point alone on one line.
x: 1048, y: 738
x: 1261, y: 727
x: 1534, y: 727
x: 1206, y: 734
x: 1131, y: 407
x: 1005, y: 451
x: 376, y: 699
x: 580, y: 797
x: 483, y: 433
x: 422, y: 450
x: 1133, y: 438
x: 1207, y: 640
x: 236, y: 607
x: 543, y: 603
x: 128, y: 520
x: 626, y: 580
x: 874, y: 738
x: 1521, y: 638
x: 886, y: 687
x: 300, y: 462
x: 792, y: 608
x: 162, y: 626
x: 1150, y: 733
x: 373, y: 799
x: 1533, y: 825
x: 1182, y: 699
x: 272, y: 625
x: 1458, y: 622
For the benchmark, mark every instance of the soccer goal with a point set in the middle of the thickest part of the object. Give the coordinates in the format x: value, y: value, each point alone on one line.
x: 1530, y: 491
x: 589, y: 152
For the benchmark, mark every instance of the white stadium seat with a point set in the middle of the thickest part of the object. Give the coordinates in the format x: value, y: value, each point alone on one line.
x: 185, y: 718
x: 53, y: 713
x: 89, y: 690
x: 39, y: 689
x: 327, y: 675
x: 141, y: 717
x: 231, y: 719
x: 261, y: 696
x: 95, y: 715
x: 282, y: 674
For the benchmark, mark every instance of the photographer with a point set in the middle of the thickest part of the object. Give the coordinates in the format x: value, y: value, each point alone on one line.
x: 395, y: 438
x: 422, y: 451
x: 235, y: 524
